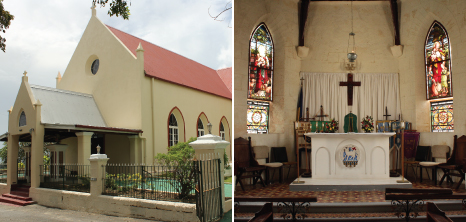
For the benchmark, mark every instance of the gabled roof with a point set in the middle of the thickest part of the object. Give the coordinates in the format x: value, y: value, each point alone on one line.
x: 225, y: 75
x: 165, y: 65
x: 67, y: 107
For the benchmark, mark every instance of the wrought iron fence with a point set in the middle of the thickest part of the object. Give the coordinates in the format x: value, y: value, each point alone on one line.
x: 3, y: 172
x: 171, y: 183
x: 73, y: 177
x: 209, y: 189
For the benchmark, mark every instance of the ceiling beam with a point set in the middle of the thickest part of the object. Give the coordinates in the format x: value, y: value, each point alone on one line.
x: 394, y: 7
x: 302, y: 20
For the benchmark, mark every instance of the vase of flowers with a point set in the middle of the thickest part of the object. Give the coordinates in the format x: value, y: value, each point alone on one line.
x: 367, y: 124
x: 332, y: 126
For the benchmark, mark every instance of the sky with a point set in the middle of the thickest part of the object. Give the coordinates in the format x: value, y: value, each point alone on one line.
x: 44, y: 34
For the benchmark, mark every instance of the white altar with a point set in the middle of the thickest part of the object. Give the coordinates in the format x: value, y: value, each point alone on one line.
x: 350, y: 155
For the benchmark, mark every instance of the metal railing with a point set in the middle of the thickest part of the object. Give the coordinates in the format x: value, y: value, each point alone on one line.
x: 169, y: 183
x: 73, y: 177
x: 3, y: 172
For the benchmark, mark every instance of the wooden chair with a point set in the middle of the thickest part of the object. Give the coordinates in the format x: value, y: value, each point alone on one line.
x: 439, y: 152
x: 264, y: 215
x: 455, y: 162
x: 279, y: 155
x: 422, y: 154
x: 434, y: 214
x: 245, y: 165
x: 261, y: 155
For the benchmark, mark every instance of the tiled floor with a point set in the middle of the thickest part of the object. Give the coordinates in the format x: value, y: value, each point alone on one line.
x: 277, y: 190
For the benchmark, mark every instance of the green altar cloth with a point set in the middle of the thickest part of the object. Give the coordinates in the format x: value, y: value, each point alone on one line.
x: 351, y: 120
x: 318, y: 126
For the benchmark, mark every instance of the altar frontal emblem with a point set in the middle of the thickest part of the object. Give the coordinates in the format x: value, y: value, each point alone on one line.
x: 350, y: 156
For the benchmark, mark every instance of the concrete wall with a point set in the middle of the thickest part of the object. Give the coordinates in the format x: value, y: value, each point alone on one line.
x: 116, y: 206
x: 282, y: 21
x: 415, y: 19
x: 4, y: 188
x: 191, y: 103
x: 116, y: 85
x: 117, y: 148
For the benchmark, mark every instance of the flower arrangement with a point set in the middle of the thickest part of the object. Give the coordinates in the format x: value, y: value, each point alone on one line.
x: 367, y: 124
x: 332, y: 126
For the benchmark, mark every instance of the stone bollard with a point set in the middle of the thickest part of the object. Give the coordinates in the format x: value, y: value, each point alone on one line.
x: 214, y: 146
x: 97, y: 172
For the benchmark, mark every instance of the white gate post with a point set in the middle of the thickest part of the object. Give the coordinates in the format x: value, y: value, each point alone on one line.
x: 212, y: 145
x: 97, y: 172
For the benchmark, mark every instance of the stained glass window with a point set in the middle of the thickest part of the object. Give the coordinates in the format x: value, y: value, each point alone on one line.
x: 442, y: 116
x: 260, y: 64
x: 258, y: 117
x: 438, y: 63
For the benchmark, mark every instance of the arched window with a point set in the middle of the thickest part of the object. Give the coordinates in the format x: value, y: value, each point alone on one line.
x: 222, y: 131
x: 200, y: 128
x: 439, y: 78
x: 438, y: 63
x: 22, y: 119
x: 173, y: 130
x: 260, y: 64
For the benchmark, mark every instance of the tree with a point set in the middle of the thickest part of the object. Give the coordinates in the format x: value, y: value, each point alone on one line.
x: 117, y: 8
x: 5, y: 20
x: 228, y: 7
x: 21, y: 153
x: 180, y: 159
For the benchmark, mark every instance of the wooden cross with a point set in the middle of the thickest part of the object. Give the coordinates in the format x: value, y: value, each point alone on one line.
x: 350, y: 85
x: 386, y: 114
x: 321, y: 114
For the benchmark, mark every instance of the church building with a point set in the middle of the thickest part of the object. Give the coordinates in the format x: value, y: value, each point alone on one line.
x: 128, y: 96
x: 406, y: 55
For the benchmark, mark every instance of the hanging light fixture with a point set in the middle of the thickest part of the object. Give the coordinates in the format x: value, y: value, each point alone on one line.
x: 351, y: 65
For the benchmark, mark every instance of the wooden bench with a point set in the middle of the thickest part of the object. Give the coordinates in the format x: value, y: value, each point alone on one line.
x: 290, y: 207
x: 408, y: 203
x: 434, y: 214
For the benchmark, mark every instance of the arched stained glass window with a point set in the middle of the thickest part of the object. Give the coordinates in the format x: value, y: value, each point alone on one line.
x: 260, y: 64
x: 438, y: 63
x: 173, y: 130
x: 200, y: 128
x: 22, y: 119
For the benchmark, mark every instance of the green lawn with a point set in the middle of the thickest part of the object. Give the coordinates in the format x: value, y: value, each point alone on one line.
x: 228, y: 179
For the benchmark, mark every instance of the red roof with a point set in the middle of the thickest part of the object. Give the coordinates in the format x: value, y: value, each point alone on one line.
x: 225, y: 75
x: 165, y: 65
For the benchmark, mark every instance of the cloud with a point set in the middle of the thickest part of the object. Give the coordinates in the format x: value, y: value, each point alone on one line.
x: 44, y: 34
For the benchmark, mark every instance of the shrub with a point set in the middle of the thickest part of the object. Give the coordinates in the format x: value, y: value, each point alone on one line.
x: 180, y: 158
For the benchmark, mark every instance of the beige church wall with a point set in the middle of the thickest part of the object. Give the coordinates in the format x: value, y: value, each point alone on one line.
x: 71, y: 153
x: 416, y: 17
x: 24, y: 102
x: 116, y: 85
x: 327, y: 31
x: 282, y: 21
x: 117, y: 148
x: 191, y: 103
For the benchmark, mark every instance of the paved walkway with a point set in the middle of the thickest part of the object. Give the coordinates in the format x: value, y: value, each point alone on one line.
x: 38, y: 213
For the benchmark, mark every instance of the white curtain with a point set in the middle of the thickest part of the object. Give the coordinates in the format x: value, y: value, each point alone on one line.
x: 376, y: 92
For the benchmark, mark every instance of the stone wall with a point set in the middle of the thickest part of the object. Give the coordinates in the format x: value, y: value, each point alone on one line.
x: 116, y: 206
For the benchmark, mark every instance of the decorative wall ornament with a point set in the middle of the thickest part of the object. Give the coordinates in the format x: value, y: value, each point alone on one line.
x: 350, y: 155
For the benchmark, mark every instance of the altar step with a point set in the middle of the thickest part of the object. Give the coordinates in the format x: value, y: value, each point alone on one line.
x: 378, y: 211
x: 311, y: 184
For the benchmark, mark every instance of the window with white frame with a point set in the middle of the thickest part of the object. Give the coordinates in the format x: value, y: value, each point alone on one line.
x: 200, y: 128
x: 222, y: 131
x: 173, y: 130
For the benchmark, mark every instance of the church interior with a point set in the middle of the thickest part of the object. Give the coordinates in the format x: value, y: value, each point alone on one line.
x: 344, y: 106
